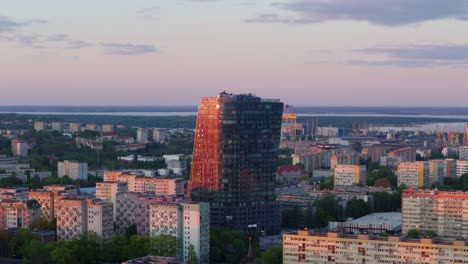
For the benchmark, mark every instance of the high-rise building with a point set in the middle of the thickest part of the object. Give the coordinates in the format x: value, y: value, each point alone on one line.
x: 107, y: 191
x: 450, y: 168
x: 142, y: 135
x: 349, y: 175
x: 19, y: 148
x: 465, y: 136
x: 17, y: 214
x: 440, y: 211
x: 46, y: 201
x: 462, y: 167
x: 414, y: 174
x: 463, y: 153
x: 406, y: 154
x: 100, y: 218
x: 234, y: 161
x: 39, y: 125
x: 57, y: 126
x: 324, y: 248
x: 438, y: 170
x: 73, y: 169
x: 160, y: 135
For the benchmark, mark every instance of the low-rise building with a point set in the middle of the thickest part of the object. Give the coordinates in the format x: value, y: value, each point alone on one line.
x: 290, y: 173
x: 375, y: 223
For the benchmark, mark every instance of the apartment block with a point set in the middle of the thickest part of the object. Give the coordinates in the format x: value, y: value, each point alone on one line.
x: 324, y: 248
x: 46, y: 201
x: 142, y: 135
x: 17, y: 214
x: 406, y: 154
x: 19, y: 148
x: 152, y: 185
x: 107, y: 128
x: 39, y: 125
x: 107, y: 191
x: 73, y: 169
x: 17, y: 193
x: 100, y: 218
x: 440, y: 211
x: 160, y: 136
x: 462, y: 167
x: 189, y: 222
x: 414, y: 174
x: 349, y: 175
x: 74, y: 127
x: 437, y: 171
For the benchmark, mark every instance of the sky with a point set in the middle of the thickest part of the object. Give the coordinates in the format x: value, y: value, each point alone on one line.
x: 173, y: 52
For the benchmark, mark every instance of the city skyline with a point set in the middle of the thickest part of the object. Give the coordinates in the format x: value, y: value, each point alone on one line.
x: 306, y: 52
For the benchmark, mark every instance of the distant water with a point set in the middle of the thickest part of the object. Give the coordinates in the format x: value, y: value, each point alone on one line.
x: 149, y: 114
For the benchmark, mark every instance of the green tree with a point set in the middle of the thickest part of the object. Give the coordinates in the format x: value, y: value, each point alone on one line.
x: 192, y: 255
x: 62, y: 255
x: 131, y: 231
x: 463, y: 182
x: 383, y: 202
x: 414, y: 234
x: 273, y: 255
x: 163, y: 245
x: 356, y: 208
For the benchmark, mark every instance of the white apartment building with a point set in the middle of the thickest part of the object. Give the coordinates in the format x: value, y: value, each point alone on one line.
x: 414, y: 174
x: 349, y: 175
x: 463, y: 153
x: 462, y: 167
x: 160, y: 136
x: 73, y: 169
x: 142, y: 135
x: 189, y: 222
x: 100, y: 218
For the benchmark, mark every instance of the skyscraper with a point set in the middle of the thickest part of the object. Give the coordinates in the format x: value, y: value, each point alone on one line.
x: 234, y: 161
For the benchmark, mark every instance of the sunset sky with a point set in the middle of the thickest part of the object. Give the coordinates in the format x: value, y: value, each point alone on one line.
x: 173, y: 52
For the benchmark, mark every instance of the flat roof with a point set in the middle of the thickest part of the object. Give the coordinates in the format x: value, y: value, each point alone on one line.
x: 378, y: 218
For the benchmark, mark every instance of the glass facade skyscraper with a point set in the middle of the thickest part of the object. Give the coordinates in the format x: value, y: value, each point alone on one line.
x: 234, y: 161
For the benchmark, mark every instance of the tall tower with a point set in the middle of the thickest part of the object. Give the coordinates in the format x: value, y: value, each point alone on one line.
x: 234, y: 161
x: 465, y: 136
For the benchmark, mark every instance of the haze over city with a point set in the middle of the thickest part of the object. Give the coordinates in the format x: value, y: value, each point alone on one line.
x: 306, y: 52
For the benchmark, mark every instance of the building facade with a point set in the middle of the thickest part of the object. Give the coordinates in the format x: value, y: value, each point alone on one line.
x: 17, y: 214
x: 439, y: 211
x: 414, y: 174
x: 19, y: 148
x: 309, y: 247
x: 73, y: 169
x: 462, y: 167
x: 142, y: 135
x: 349, y: 175
x: 160, y: 136
x: 234, y: 161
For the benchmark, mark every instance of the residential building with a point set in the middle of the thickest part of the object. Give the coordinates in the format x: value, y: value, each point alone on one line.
x: 46, y: 201
x: 73, y: 169
x: 234, y: 161
x: 107, y: 128
x: 142, y: 135
x: 374, y: 152
x: 389, y: 161
x: 92, y: 127
x: 125, y: 211
x: 157, y: 186
x: 177, y: 167
x: 154, y: 260
x: 406, y: 154
x: 100, y: 218
x: 414, y: 174
x: 450, y: 168
x: 16, y: 193
x: 17, y: 214
x: 160, y: 136
x: 349, y: 175
x: 107, y: 191
x: 39, y: 125
x: 290, y: 173
x: 57, y: 126
x: 323, y: 248
x: 443, y: 212
x: 437, y: 170
x: 72, y: 218
x: 465, y: 136
x: 463, y: 153
x: 462, y: 167
x: 19, y: 148
x: 74, y: 127
x: 189, y: 222
x: 344, y: 157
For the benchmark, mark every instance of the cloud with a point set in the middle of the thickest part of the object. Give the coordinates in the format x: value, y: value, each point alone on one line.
x: 416, y: 55
x: 8, y: 25
x: 128, y: 49
x: 388, y: 13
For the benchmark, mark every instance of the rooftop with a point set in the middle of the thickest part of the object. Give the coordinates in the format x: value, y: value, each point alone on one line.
x: 378, y: 218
